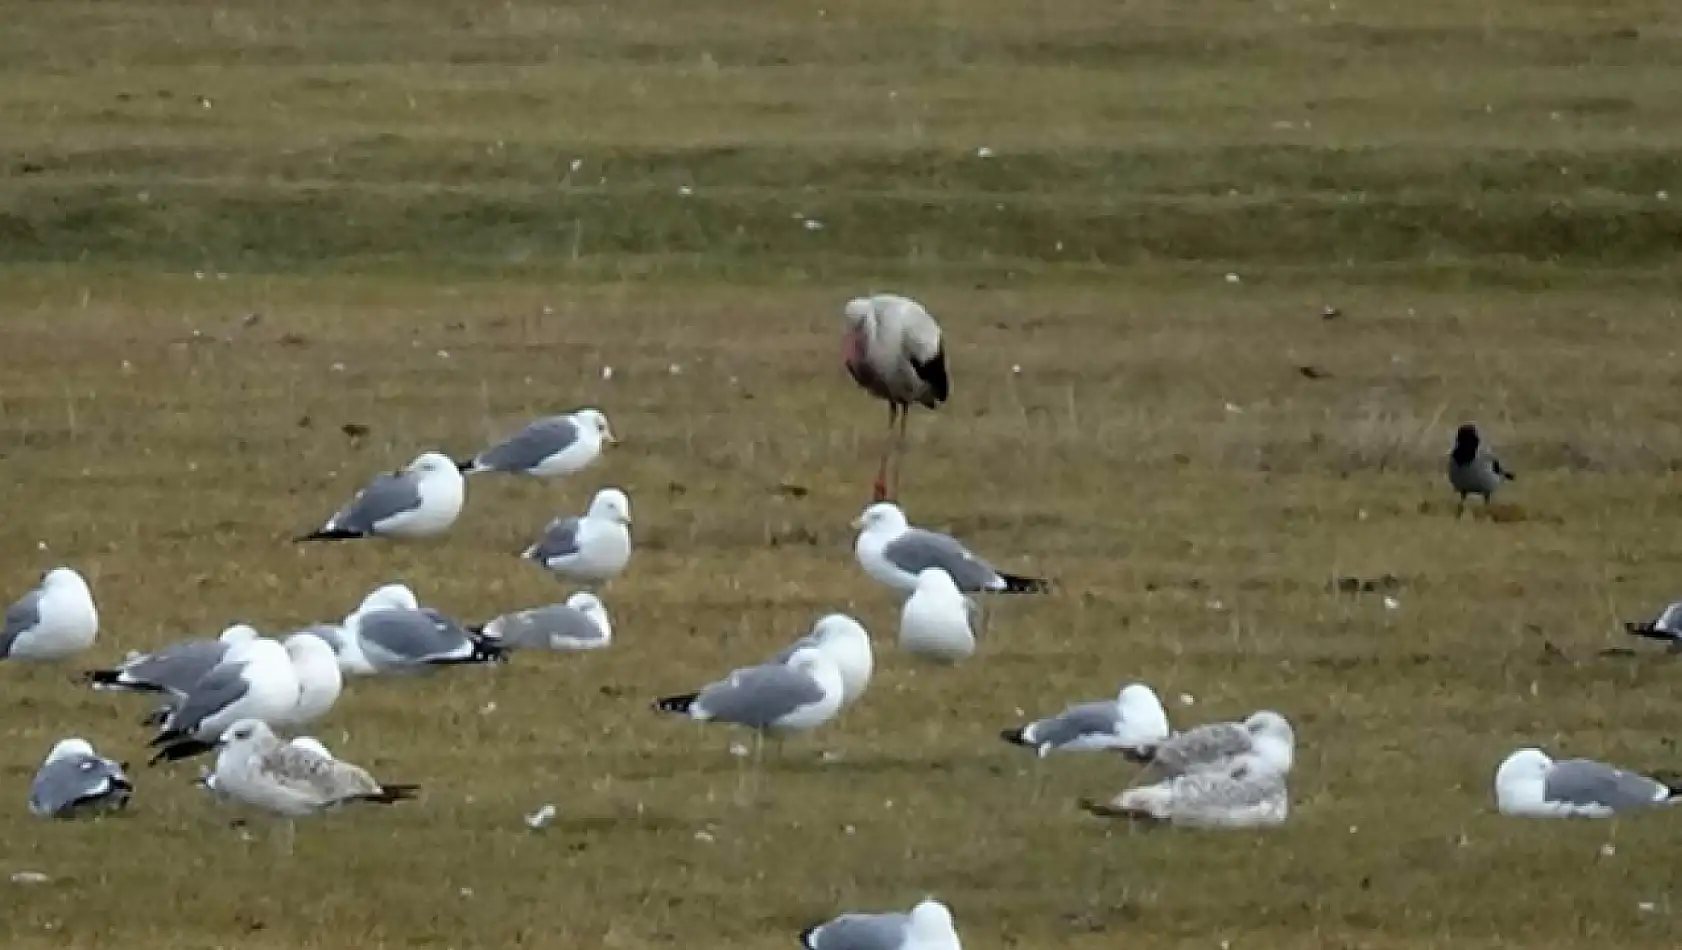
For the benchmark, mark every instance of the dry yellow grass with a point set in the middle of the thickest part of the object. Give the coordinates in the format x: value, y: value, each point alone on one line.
x: 1159, y: 453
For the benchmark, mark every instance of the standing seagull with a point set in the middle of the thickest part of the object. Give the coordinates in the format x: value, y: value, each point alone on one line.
x: 52, y: 622
x: 419, y: 501
x: 894, y: 553
x: 1530, y: 785
x: 847, y: 644
x: 893, y: 350
x: 1473, y: 469
x: 548, y: 448
x: 937, y: 621
x: 75, y: 779
x: 255, y: 768
x: 593, y: 548
x: 797, y: 696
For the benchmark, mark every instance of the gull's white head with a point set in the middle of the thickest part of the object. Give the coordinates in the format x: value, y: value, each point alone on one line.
x: 612, y: 505
x: 63, y: 579
x: 1142, y: 711
x: 839, y: 628
x: 932, y: 925
x: 306, y: 648
x: 389, y: 597
x: 246, y: 731
x: 65, y: 748
x: 238, y: 633
x: 310, y: 744
x: 430, y: 464
x: 884, y: 517
x: 1274, y: 739
x: 597, y: 420
x: 935, y: 580
x: 591, y: 607
x: 1521, y: 781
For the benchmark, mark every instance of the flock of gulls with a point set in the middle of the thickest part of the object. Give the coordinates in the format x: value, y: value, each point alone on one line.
x: 236, y: 694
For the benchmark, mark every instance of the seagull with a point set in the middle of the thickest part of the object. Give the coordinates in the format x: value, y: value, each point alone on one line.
x: 796, y: 696
x: 207, y: 777
x: 53, y: 622
x: 75, y: 780
x: 1246, y: 793
x: 594, y: 548
x: 847, y: 644
x: 894, y: 553
x: 928, y: 926
x: 548, y: 448
x: 1132, y: 722
x: 256, y: 680
x: 1666, y: 627
x: 893, y: 350
x: 172, y: 669
x: 420, y: 501
x: 409, y: 640
x: 579, y: 624
x: 1530, y: 785
x: 320, y: 680
x: 1473, y: 469
x: 253, y: 767
x: 1265, y: 734
x: 937, y: 621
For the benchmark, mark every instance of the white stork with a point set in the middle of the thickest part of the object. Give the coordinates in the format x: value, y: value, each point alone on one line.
x: 893, y: 349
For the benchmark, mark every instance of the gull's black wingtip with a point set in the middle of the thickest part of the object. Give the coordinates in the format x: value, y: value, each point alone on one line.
x: 1015, y: 736
x: 392, y: 794
x: 467, y: 466
x: 1648, y: 629
x: 808, y: 937
x: 330, y: 534
x: 179, y: 750
x: 1019, y: 584
x: 676, y: 704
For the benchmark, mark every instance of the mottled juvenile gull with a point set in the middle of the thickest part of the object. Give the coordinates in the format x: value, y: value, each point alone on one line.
x: 1530, y: 785
x: 74, y: 780
x: 254, y: 768
x: 593, y: 548
x: 894, y: 553
x: 929, y: 926
x: 420, y: 501
x: 581, y: 623
x: 1246, y: 793
x: 847, y: 644
x: 53, y: 622
x: 1265, y: 734
x: 547, y: 448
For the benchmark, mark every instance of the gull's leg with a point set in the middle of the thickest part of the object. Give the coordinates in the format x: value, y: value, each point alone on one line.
x: 880, y: 489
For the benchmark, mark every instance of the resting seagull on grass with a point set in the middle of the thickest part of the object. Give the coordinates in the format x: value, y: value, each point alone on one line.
x: 1530, y: 785
x: 893, y: 553
x: 1246, y: 793
x: 390, y: 633
x: 928, y: 926
x: 893, y: 350
x: 55, y: 621
x: 1265, y: 734
x: 579, y: 624
x: 420, y: 501
x: 548, y: 448
x: 592, y: 549
x: 75, y: 780
x: 1132, y: 723
x: 256, y: 680
x: 171, y: 669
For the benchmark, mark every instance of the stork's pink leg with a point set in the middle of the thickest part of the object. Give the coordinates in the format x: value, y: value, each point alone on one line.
x: 880, y: 489
x: 899, y: 450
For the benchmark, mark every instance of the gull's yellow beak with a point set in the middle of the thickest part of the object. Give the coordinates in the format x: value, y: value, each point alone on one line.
x: 610, y: 438
x: 858, y: 522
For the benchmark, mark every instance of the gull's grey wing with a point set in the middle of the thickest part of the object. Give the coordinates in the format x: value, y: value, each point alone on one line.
x: 320, y: 778
x: 21, y: 617
x: 1670, y: 620
x: 530, y: 446
x: 759, y: 695
x: 214, y: 692
x: 809, y: 640
x: 1084, y: 719
x: 176, y: 667
x: 917, y: 549
x: 333, y: 633
x: 539, y: 626
x: 75, y: 780
x: 1200, y: 747
x: 1586, y: 782
x: 402, y: 636
x: 390, y: 494
x: 560, y: 539
x: 861, y: 932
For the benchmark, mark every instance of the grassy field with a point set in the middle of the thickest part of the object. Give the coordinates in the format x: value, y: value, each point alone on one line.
x: 227, y: 231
